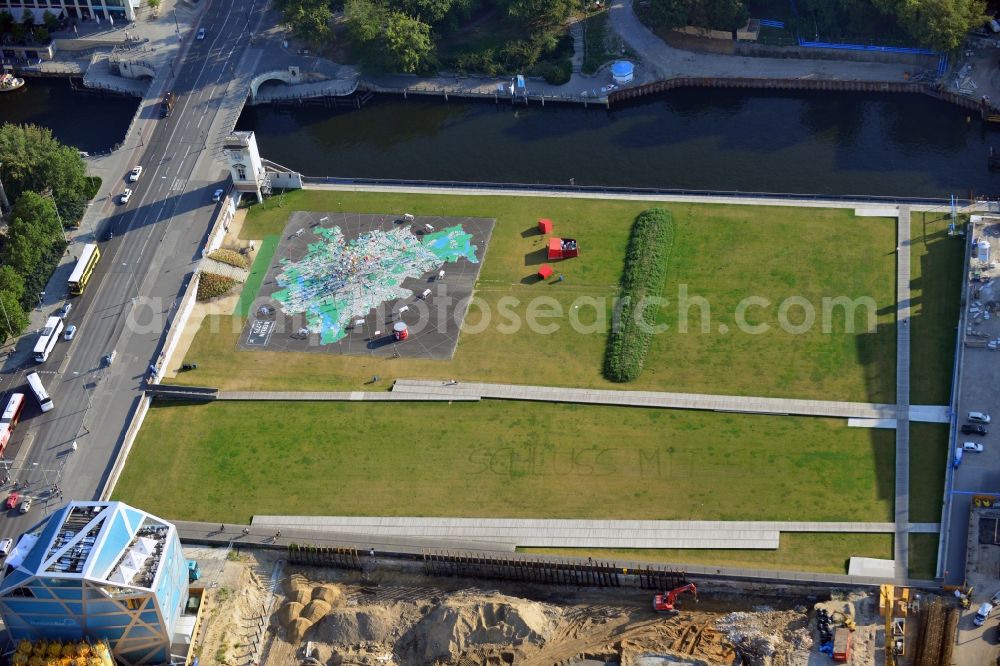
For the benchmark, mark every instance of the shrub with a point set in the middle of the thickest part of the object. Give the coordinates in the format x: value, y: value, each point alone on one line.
x: 213, y: 285
x: 645, y: 271
x: 554, y: 73
x: 230, y: 257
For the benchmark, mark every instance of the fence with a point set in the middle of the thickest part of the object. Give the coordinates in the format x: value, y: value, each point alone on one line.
x: 322, y: 556
x: 644, y: 191
x: 523, y: 569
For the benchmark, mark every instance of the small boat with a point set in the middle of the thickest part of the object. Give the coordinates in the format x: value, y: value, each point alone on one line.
x: 10, y: 82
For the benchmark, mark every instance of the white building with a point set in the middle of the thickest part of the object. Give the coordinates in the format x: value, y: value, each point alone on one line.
x: 120, y: 11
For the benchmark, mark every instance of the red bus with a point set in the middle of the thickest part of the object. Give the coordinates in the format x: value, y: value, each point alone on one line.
x: 11, y: 415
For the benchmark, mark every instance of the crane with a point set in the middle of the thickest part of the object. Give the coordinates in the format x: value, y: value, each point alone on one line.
x: 665, y: 602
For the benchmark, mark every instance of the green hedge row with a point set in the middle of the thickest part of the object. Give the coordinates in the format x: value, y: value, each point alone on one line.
x: 645, y: 272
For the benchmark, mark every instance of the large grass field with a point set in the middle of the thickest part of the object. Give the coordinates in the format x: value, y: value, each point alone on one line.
x: 226, y: 461
x: 722, y: 256
x: 935, y: 287
x: 928, y: 460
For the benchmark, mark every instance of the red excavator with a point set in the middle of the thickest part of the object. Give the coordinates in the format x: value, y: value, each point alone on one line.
x: 665, y: 602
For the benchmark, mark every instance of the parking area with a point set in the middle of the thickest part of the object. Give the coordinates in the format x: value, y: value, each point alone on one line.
x: 977, y: 477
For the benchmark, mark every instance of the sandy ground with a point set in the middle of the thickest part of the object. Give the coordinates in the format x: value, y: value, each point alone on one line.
x: 396, y: 616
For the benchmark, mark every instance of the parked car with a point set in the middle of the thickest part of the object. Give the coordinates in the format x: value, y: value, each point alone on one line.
x: 969, y: 429
x: 5, y: 547
x: 126, y: 195
x: 64, y: 310
x: 201, y: 34
x: 134, y: 174
x: 973, y: 446
x: 983, y: 613
x: 979, y: 417
x: 70, y: 332
x: 26, y: 505
x: 217, y: 195
x: 12, y: 500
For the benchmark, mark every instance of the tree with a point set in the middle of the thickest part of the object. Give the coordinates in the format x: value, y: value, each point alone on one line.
x: 11, y: 282
x: 429, y: 11
x: 408, y: 42
x: 668, y: 13
x: 153, y: 4
x: 940, y: 24
x: 32, y: 160
x: 50, y: 20
x: 13, y: 319
x: 6, y: 21
x: 28, y: 19
x: 309, y: 20
x: 540, y: 13
x: 40, y: 212
x: 41, y: 35
x: 365, y: 19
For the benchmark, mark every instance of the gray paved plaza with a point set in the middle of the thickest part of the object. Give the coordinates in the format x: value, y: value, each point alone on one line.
x: 340, y: 282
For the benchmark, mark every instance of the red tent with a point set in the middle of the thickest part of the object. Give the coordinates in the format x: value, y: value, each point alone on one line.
x: 545, y: 226
x: 544, y: 271
x: 562, y: 248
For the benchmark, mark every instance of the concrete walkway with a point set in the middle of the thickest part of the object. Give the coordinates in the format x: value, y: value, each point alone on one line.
x: 667, y: 62
x: 721, y: 403
x: 902, y: 514
x: 545, y: 533
x: 344, y: 396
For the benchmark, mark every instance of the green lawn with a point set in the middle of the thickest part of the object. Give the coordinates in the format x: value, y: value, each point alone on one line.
x: 723, y: 255
x: 537, y: 460
x: 936, y: 286
x: 923, y: 555
x: 823, y: 553
x: 928, y: 460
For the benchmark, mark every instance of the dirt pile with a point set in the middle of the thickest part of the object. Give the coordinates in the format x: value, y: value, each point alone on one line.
x: 766, y: 636
x: 307, y: 604
x: 463, y: 622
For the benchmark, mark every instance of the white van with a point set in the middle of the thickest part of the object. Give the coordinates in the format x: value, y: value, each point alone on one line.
x: 983, y: 613
x: 979, y: 417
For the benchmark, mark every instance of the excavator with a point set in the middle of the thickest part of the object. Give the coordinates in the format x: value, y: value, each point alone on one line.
x: 666, y: 601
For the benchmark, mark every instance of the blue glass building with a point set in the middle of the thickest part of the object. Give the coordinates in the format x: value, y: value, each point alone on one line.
x: 99, y: 570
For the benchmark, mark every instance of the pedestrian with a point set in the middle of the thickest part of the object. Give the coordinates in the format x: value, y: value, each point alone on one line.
x: 246, y: 531
x: 222, y: 527
x: 371, y: 551
x: 277, y: 535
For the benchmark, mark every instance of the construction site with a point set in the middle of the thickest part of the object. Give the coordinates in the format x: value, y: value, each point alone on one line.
x: 260, y: 608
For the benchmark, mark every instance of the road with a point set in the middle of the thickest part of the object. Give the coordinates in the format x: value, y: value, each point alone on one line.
x: 156, y: 241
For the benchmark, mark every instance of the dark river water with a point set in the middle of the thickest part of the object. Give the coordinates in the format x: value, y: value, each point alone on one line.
x: 827, y: 143
x: 89, y: 122
x: 832, y: 143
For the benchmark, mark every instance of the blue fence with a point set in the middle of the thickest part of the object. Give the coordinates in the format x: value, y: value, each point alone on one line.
x: 600, y: 189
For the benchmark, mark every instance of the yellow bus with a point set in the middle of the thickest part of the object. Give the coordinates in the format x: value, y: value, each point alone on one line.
x: 84, y: 268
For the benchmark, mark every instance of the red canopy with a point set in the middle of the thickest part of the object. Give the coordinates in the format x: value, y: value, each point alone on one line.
x: 545, y: 226
x: 562, y: 248
x: 544, y: 271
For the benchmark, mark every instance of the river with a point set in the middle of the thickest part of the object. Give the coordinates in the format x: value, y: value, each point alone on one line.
x: 827, y: 143
x: 803, y: 142
x: 89, y: 122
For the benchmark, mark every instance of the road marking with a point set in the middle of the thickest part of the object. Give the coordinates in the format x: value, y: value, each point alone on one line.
x: 178, y: 185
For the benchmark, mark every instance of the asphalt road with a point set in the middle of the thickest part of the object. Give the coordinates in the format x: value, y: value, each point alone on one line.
x: 157, y: 237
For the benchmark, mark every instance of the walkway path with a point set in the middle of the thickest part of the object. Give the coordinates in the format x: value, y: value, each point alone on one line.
x: 209, y: 265
x: 902, y: 540
x: 721, y: 403
x: 546, y: 533
x: 667, y: 62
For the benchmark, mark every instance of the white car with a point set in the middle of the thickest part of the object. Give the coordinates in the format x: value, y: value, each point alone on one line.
x: 26, y: 505
x: 979, y: 417
x: 217, y: 195
x: 134, y: 174
x: 126, y: 195
x: 973, y: 446
x: 5, y: 547
x: 201, y: 34
x: 70, y: 332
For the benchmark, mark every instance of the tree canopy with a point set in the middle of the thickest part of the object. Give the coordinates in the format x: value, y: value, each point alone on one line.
x: 32, y: 160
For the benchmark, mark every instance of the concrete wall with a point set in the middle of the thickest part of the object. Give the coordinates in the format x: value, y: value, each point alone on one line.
x: 767, y: 51
x: 285, y: 180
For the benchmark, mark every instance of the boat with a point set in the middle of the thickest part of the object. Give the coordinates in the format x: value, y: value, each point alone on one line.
x: 10, y: 82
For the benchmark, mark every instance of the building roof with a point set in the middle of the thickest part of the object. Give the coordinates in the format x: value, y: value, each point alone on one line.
x: 101, y: 541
